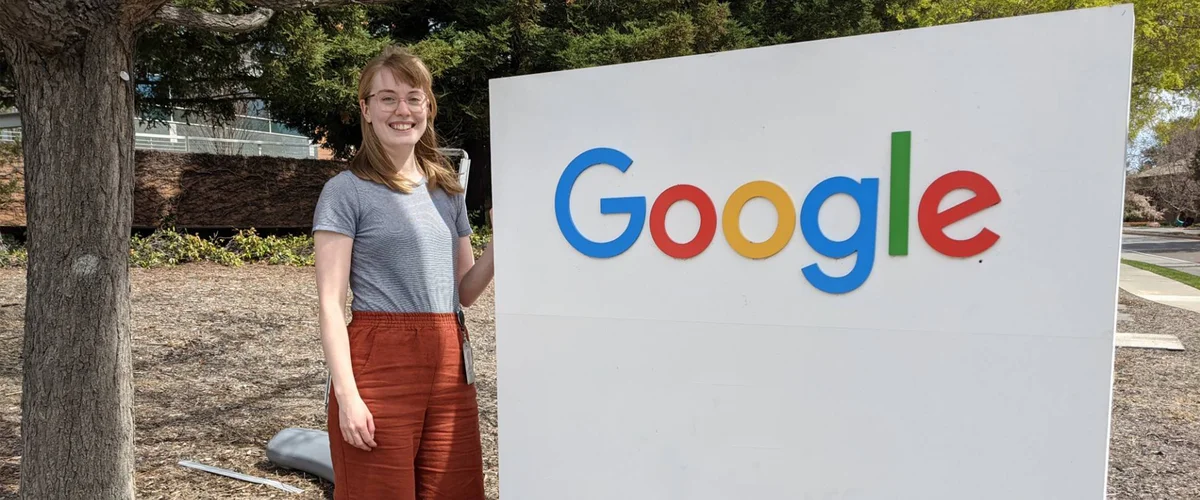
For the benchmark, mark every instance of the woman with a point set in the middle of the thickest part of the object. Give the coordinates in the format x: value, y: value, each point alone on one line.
x: 404, y: 421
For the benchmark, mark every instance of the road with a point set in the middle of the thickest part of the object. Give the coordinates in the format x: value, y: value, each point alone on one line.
x: 1178, y: 253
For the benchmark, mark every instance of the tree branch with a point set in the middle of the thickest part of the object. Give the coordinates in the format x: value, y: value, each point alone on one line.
x: 224, y: 23
x: 241, y: 96
x: 311, y: 4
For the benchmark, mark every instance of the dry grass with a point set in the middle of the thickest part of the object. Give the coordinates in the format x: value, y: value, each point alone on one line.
x: 225, y: 357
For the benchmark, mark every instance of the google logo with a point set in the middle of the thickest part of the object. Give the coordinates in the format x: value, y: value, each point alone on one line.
x: 865, y: 193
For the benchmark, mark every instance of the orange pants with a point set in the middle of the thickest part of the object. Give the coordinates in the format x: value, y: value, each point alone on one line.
x: 409, y: 371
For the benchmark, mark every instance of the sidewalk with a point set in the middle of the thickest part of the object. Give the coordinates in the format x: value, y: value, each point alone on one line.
x: 1150, y: 286
x: 1174, y: 232
x: 1167, y: 262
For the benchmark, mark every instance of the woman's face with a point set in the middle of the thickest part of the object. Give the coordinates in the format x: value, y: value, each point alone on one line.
x: 396, y: 111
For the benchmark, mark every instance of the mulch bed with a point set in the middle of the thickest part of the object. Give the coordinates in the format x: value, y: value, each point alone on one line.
x: 223, y: 359
x: 226, y: 357
x: 1155, y: 443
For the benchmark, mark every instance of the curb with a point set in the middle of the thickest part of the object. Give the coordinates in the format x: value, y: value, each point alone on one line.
x: 1162, y: 234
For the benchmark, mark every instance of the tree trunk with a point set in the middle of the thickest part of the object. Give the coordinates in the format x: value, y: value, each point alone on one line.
x: 76, y: 104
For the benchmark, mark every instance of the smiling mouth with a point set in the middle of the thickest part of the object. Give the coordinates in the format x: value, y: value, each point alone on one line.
x: 402, y: 127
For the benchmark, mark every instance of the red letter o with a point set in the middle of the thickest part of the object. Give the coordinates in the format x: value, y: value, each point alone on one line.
x: 658, y: 217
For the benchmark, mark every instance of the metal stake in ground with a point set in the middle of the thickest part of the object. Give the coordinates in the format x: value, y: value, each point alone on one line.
x: 244, y: 477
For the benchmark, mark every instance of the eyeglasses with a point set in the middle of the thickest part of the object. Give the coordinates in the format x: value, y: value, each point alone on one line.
x: 388, y: 101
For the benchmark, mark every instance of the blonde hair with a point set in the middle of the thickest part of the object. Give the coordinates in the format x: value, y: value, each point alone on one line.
x: 371, y: 162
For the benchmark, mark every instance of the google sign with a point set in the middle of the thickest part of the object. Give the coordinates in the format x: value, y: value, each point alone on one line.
x: 717, y: 264
x: 865, y: 192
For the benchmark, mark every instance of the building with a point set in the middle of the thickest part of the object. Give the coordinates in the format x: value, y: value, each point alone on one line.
x: 1171, y: 188
x: 222, y: 187
x: 252, y: 133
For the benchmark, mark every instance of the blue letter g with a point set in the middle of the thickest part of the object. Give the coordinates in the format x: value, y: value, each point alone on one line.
x: 635, y: 206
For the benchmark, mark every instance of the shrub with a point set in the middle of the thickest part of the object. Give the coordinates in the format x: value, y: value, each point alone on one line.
x: 169, y: 247
x: 12, y: 254
x: 288, y: 250
x: 1138, y: 208
x: 481, y: 232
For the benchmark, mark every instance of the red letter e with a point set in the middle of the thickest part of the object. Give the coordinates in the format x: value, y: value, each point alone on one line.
x: 933, y: 223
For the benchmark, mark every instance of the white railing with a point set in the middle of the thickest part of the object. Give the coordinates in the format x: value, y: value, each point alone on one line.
x: 186, y: 144
x: 216, y: 145
x: 193, y: 144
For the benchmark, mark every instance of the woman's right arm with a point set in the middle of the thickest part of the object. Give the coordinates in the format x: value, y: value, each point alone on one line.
x: 333, y: 274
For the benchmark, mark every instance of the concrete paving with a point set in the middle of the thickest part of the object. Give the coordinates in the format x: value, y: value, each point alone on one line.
x: 1149, y: 341
x: 1181, y: 232
x: 1172, y: 248
x: 1150, y: 286
x: 1164, y: 249
x: 1164, y: 261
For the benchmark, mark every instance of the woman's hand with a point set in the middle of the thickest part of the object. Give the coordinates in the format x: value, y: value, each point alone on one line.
x: 358, y: 427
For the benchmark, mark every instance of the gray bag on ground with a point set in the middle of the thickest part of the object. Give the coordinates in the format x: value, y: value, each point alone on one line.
x: 302, y: 449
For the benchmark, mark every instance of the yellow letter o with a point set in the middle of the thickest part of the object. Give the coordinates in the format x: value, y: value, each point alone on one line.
x: 730, y: 219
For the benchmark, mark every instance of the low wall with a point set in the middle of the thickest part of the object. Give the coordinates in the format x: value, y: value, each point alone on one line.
x: 203, y: 191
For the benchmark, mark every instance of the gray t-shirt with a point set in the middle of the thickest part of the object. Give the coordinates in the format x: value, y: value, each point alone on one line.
x: 404, y: 244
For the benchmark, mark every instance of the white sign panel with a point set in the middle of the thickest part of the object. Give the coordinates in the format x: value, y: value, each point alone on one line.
x: 877, y: 267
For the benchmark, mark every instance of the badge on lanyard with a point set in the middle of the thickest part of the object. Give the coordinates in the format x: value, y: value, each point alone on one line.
x: 468, y: 352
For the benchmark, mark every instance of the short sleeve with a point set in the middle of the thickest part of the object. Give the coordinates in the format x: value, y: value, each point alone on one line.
x: 462, y: 222
x: 337, y: 209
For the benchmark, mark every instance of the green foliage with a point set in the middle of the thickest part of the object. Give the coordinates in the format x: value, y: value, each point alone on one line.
x: 168, y: 247
x: 1166, y: 41
x: 481, y: 233
x: 12, y: 254
x: 773, y: 22
x: 288, y: 250
x: 468, y: 42
x: 203, y: 72
x: 10, y: 150
x: 304, y: 65
x: 1176, y: 141
x: 310, y: 63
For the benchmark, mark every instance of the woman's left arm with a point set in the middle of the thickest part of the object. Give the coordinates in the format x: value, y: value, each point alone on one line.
x: 473, y: 276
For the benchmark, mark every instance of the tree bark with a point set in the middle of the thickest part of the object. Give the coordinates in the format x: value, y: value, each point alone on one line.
x: 77, y: 111
x: 73, y: 62
x: 224, y: 23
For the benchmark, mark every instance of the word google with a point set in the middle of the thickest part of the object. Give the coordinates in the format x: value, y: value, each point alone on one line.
x: 865, y: 193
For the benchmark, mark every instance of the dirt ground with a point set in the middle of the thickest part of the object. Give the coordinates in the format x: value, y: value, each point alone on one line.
x: 225, y: 358
x: 1155, y: 443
